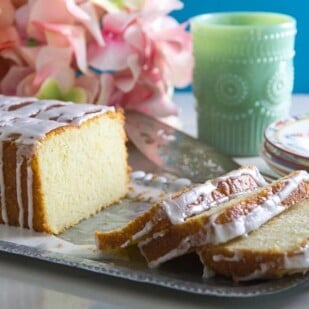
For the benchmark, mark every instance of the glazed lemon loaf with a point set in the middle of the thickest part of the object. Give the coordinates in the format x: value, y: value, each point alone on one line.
x: 60, y: 162
x: 226, y: 221
x: 180, y: 206
x: 277, y: 248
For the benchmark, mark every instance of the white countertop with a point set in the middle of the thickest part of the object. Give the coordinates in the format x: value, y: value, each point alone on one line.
x: 27, y: 283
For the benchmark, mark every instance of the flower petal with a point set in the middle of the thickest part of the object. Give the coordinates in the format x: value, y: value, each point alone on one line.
x: 22, y: 18
x: 126, y: 80
x: 8, y: 38
x: 56, y: 13
x: 12, y: 55
x: 107, y: 5
x: 64, y: 36
x: 112, y: 57
x: 76, y: 11
x: 53, y: 56
x: 150, y: 99
x: 51, y: 61
x: 92, y: 24
x: 91, y: 85
x: 117, y: 23
x: 7, y: 12
x: 29, y: 54
x: 107, y: 88
x: 12, y: 79
x: 163, y: 7
x: 26, y: 87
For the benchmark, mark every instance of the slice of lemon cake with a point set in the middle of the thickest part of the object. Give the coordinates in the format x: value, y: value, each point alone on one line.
x: 226, y: 221
x: 59, y: 162
x: 277, y: 248
x: 180, y: 206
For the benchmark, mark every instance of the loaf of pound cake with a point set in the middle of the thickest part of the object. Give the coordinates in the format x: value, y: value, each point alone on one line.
x: 279, y: 247
x: 228, y: 220
x: 181, y: 206
x: 59, y: 162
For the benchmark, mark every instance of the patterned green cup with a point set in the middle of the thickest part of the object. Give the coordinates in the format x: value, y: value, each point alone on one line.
x: 243, y: 76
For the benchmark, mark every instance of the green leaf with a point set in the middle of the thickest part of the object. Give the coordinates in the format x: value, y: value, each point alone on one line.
x: 77, y: 95
x: 49, y: 90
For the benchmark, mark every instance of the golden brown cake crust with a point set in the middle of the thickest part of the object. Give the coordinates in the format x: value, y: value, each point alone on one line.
x: 246, y: 264
x: 115, y: 239
x: 156, y: 220
x: 189, y: 235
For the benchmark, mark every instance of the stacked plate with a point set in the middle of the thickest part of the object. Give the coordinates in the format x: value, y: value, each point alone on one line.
x: 286, y: 145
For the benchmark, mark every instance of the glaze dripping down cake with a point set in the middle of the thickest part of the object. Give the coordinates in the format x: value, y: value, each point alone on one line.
x: 278, y: 248
x: 59, y: 162
x: 181, y: 206
x: 231, y: 219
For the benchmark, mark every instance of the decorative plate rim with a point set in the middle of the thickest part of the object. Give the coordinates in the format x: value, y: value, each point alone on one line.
x: 270, y: 131
x: 285, y: 162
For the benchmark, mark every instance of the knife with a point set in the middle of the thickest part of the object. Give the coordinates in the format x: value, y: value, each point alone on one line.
x: 174, y: 151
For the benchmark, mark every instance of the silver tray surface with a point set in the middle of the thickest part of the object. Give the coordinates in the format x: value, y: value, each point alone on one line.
x: 182, y: 274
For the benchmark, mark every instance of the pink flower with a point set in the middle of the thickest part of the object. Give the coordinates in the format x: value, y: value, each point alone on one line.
x: 127, y: 53
x: 153, y: 55
x: 9, y: 38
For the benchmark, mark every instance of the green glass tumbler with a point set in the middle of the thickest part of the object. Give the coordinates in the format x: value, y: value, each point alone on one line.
x: 243, y: 76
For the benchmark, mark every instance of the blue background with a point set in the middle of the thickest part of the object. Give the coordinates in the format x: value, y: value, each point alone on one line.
x: 297, y: 8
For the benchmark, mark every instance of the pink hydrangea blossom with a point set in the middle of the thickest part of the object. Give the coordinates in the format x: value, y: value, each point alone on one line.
x: 129, y: 53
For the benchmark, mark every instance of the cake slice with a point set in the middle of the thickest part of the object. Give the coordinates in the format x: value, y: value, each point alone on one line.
x: 277, y: 248
x: 59, y: 162
x: 227, y: 221
x: 180, y: 206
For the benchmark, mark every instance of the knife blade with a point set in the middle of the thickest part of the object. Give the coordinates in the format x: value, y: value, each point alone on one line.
x: 174, y: 151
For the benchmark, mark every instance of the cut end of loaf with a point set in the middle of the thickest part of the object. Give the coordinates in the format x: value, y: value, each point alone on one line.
x: 80, y: 170
x: 277, y: 248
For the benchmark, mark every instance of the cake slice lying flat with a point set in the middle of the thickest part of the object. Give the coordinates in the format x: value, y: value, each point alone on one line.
x: 227, y: 221
x: 277, y: 248
x: 181, y: 206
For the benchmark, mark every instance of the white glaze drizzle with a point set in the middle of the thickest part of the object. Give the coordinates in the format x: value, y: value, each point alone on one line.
x: 31, y: 120
x: 257, y: 274
x: 7, y: 102
x: 236, y: 257
x: 43, y: 241
x: 54, y: 110
x: 243, y: 224
x: 147, y: 228
x: 2, y: 188
x: 219, y: 233
x: 31, y: 109
x: 299, y: 260
x: 137, y: 175
x: 252, y: 171
x: 30, y: 131
x: 73, y: 115
x: 30, y: 195
x: 19, y: 193
x: 296, y: 262
x: 214, y: 233
x: 291, y: 263
x: 160, y: 181
x: 208, y: 273
x: 180, y: 250
x: 175, y: 207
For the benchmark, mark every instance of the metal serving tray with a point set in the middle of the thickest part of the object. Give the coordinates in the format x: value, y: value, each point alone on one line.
x: 76, y: 248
